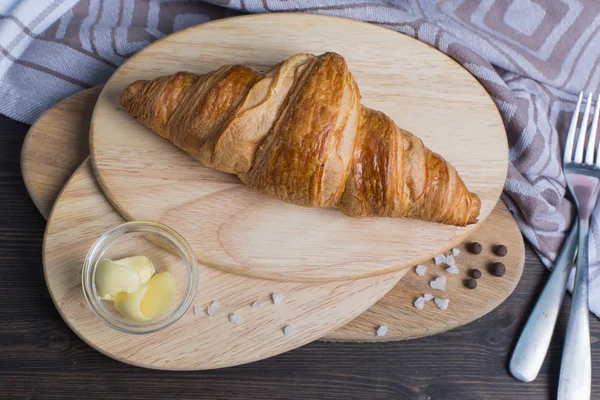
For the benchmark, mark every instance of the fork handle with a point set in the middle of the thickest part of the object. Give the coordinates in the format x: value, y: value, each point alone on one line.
x: 531, y: 349
x: 575, y: 382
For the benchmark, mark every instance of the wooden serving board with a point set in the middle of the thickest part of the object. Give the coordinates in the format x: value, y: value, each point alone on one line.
x: 49, y: 156
x: 55, y: 146
x: 233, y: 228
x: 82, y: 214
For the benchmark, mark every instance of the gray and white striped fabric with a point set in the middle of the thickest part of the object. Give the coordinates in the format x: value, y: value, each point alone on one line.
x: 533, y: 57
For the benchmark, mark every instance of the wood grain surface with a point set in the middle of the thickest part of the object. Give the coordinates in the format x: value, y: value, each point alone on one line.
x: 82, y: 214
x: 49, y: 159
x: 233, y: 228
x: 404, y: 321
x: 41, y: 358
x: 395, y: 310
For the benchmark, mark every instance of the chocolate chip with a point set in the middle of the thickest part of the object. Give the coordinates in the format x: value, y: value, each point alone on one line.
x: 500, y: 250
x: 471, y: 283
x: 475, y: 248
x: 475, y: 273
x: 497, y: 269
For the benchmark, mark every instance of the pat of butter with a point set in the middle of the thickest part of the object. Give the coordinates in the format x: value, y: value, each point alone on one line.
x: 139, y: 294
x: 141, y: 264
x: 112, y: 278
x: 160, y: 295
x: 152, y: 300
x: 128, y: 304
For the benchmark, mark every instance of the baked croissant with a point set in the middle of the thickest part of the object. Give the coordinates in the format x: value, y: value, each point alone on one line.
x: 299, y: 133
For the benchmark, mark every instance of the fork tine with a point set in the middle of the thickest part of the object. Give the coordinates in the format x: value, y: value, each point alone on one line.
x: 583, y: 131
x: 568, y: 156
x: 590, y: 147
x: 595, y: 126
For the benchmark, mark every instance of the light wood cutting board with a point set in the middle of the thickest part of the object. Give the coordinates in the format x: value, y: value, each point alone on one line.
x: 55, y: 146
x: 235, y: 229
x: 82, y: 214
x: 50, y: 154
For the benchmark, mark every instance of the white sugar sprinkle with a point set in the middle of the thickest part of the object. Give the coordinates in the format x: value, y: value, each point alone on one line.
x: 382, y: 330
x: 256, y: 304
x: 439, y: 259
x: 212, y: 308
x: 444, y: 259
x: 438, y: 283
x: 277, y: 298
x: 198, y: 311
x: 289, y: 330
x: 428, y: 296
x: 420, y: 270
x: 455, y: 252
x: 420, y: 303
x: 453, y: 269
x: 441, y: 303
x: 235, y: 319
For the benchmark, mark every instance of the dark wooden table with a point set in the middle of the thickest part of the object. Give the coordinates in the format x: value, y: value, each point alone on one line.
x: 40, y: 358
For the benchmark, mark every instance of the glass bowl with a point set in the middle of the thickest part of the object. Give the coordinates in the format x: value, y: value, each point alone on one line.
x: 167, y: 250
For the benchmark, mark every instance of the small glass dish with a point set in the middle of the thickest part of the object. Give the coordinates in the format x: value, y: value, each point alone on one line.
x: 167, y: 250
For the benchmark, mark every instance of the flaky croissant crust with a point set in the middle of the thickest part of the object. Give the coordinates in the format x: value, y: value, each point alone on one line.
x: 299, y: 133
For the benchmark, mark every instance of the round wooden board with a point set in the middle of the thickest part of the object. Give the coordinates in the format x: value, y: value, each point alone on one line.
x: 395, y: 309
x: 82, y: 213
x: 236, y: 229
x: 404, y: 321
x: 56, y: 144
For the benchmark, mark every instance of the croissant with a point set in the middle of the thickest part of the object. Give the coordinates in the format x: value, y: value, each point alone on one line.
x: 299, y: 133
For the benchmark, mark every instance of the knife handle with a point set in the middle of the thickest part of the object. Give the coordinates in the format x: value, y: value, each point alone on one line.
x: 531, y: 349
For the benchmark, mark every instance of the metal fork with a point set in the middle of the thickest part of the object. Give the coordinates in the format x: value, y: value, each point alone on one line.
x: 532, y: 346
x: 582, y: 173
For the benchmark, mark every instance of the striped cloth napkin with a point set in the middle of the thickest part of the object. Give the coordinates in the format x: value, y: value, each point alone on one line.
x: 533, y: 57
